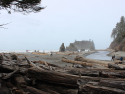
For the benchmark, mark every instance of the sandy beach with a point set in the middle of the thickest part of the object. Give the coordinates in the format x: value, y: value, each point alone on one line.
x: 117, y: 54
x: 56, y: 57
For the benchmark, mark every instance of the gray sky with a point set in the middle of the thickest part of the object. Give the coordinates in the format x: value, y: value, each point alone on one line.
x: 62, y: 21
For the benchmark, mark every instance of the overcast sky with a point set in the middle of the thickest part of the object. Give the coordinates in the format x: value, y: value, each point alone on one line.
x: 63, y: 21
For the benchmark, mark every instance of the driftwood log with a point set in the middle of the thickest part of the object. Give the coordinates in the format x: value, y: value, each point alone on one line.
x: 106, y: 73
x: 116, y: 67
x: 32, y: 64
x: 113, y: 83
x: 92, y: 61
x: 33, y: 90
x: 62, y: 78
x: 101, y: 87
x: 58, y: 78
x: 92, y: 89
x: 53, y: 77
x: 77, y: 62
x: 49, y: 64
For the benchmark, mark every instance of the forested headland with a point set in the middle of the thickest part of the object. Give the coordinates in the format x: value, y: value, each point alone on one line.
x: 118, y: 35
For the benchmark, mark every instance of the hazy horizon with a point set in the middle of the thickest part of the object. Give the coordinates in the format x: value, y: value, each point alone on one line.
x: 60, y: 22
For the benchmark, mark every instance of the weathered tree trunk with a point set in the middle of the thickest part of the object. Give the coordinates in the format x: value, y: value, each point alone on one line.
x: 53, y: 77
x: 57, y: 78
x: 113, y: 83
x: 106, y: 73
x: 77, y: 62
x: 117, y: 67
x: 104, y: 86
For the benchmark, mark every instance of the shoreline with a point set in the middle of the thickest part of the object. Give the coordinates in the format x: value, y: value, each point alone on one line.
x: 117, y: 54
x: 56, y: 57
x: 89, y: 53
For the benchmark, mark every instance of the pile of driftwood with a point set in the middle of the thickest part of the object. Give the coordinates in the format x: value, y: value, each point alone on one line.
x: 98, y: 81
x: 22, y: 76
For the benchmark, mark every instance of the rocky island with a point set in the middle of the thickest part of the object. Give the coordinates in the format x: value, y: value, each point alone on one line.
x: 81, y: 45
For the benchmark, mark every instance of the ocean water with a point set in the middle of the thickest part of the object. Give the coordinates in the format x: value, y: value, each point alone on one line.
x: 100, y: 55
x: 24, y: 51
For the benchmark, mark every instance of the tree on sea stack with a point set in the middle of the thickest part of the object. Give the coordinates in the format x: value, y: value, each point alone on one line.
x: 62, y: 48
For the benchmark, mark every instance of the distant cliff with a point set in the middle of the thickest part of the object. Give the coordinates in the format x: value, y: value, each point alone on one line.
x: 81, y: 45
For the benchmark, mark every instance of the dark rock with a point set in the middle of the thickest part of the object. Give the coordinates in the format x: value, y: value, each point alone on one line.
x: 81, y: 45
x: 62, y: 48
x: 71, y: 47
